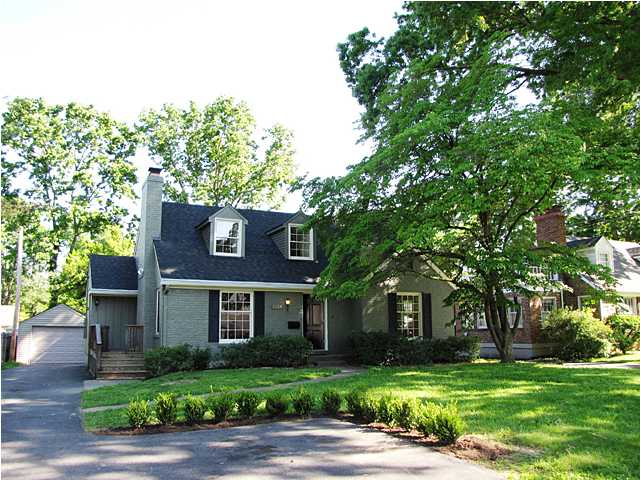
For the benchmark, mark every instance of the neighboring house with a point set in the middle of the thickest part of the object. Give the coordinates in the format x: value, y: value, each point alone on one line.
x: 6, y: 317
x: 53, y: 336
x: 210, y: 276
x: 623, y: 258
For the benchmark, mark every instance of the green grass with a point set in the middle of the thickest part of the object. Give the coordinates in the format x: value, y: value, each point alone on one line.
x: 583, y: 423
x: 199, y: 382
x: 8, y: 365
x: 626, y: 358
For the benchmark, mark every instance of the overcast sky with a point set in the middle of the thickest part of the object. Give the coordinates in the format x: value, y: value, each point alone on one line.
x: 126, y: 56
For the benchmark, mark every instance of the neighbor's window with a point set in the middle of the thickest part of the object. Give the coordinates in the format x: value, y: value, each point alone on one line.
x: 584, y: 301
x: 548, y: 306
x: 513, y: 313
x: 157, y: 311
x: 235, y: 316
x: 227, y: 237
x: 481, y: 320
x: 605, y: 259
x: 300, y: 242
x: 408, y: 309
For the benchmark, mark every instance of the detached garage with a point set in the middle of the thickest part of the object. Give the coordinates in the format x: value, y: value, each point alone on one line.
x: 53, y: 336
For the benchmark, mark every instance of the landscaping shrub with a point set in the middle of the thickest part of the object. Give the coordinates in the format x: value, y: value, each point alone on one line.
x: 407, y: 414
x: 355, y: 402
x: 166, y: 408
x: 330, y: 401
x: 302, y: 402
x: 387, y: 406
x: 247, y: 404
x: 275, y: 351
x: 194, y: 409
x: 139, y: 413
x: 625, y: 331
x: 576, y: 334
x: 277, y: 404
x: 448, y: 425
x: 221, y: 406
x: 163, y: 360
x: 382, y: 348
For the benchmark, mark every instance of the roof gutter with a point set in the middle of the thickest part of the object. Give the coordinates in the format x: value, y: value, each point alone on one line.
x: 114, y: 292
x: 208, y: 284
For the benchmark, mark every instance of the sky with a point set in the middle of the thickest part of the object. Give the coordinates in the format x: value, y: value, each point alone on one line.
x: 127, y: 56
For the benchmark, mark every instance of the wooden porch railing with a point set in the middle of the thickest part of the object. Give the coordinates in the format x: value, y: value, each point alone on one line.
x: 135, y: 336
x: 98, y: 343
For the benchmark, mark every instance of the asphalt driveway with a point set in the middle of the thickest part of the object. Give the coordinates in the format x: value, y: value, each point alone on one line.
x: 42, y: 438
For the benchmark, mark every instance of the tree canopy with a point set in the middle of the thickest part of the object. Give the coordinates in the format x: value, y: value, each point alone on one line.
x: 461, y: 164
x: 210, y: 155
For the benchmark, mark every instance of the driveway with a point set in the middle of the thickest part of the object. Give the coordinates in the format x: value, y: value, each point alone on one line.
x: 42, y: 438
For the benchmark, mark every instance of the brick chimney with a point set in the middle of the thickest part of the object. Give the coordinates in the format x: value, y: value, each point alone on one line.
x: 550, y: 227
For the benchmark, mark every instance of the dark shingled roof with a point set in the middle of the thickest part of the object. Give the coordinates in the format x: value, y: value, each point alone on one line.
x: 583, y: 242
x: 115, y: 273
x: 183, y: 253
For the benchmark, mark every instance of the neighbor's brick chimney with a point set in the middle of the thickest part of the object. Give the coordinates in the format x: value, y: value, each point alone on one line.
x: 550, y: 226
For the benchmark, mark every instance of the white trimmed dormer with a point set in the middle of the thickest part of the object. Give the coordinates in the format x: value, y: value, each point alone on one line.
x: 601, y: 253
x: 226, y: 232
x: 293, y: 240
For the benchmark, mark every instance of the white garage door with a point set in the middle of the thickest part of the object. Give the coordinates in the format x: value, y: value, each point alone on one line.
x: 57, y: 345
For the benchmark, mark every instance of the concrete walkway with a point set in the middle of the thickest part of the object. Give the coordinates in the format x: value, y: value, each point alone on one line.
x: 601, y: 365
x: 344, y: 373
x: 43, y: 439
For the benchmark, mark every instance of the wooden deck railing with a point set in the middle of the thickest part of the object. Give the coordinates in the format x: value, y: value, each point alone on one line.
x: 98, y: 343
x: 135, y: 336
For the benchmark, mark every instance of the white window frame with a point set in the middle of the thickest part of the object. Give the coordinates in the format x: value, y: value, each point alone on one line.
x: 157, y: 311
x: 251, y: 317
x: 410, y: 294
x: 512, y: 312
x: 607, y: 255
x: 214, y: 237
x: 581, y: 301
x: 632, y: 304
x: 555, y: 307
x: 310, y: 232
x: 478, y: 316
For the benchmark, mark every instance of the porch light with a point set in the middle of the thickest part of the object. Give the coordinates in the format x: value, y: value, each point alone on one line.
x: 287, y: 302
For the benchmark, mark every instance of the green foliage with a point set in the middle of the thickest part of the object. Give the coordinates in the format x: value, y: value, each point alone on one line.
x: 166, y: 408
x: 355, y: 402
x: 162, y: 360
x: 387, y: 406
x: 382, y: 348
x: 221, y: 406
x: 442, y: 421
x: 277, y: 404
x: 194, y: 409
x: 79, y: 169
x: 407, y: 413
x: 209, y: 154
x: 576, y: 334
x: 139, y: 413
x: 330, y: 401
x: 69, y: 285
x: 625, y: 331
x: 247, y: 404
x: 302, y: 402
x: 268, y: 351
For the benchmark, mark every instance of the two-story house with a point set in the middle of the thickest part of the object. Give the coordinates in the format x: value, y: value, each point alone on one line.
x: 210, y: 276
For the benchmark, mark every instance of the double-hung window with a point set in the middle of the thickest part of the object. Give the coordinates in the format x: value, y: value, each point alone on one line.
x: 227, y: 237
x: 408, y: 310
x: 300, y: 242
x: 236, y: 316
x: 512, y: 312
x: 481, y: 321
x: 548, y: 306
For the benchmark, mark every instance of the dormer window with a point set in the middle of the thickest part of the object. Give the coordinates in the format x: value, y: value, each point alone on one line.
x: 300, y: 242
x: 227, y: 237
x: 604, y: 259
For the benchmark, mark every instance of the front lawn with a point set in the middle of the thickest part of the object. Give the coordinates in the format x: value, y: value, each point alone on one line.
x: 199, y: 382
x: 7, y: 365
x: 630, y: 357
x: 577, y: 423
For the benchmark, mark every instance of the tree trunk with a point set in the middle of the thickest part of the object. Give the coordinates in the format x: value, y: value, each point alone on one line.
x: 498, y: 323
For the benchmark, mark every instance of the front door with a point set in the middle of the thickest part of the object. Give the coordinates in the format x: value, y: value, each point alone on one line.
x: 314, y: 323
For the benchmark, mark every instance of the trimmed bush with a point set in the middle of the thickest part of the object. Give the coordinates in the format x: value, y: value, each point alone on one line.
x: 576, y: 334
x: 139, y: 413
x: 166, y: 408
x: 163, y: 360
x: 221, y: 406
x: 302, y: 402
x: 625, y: 331
x: 276, y: 351
x: 330, y: 402
x: 387, y: 406
x: 247, y: 404
x: 355, y: 402
x: 408, y: 413
x: 447, y: 425
x: 277, y: 404
x: 194, y: 409
x: 382, y: 348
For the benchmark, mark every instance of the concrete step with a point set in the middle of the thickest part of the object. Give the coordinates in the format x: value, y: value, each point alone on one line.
x: 328, y: 360
x: 121, y: 375
x: 122, y: 355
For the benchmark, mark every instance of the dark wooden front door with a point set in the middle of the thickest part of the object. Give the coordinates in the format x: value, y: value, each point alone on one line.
x: 314, y: 323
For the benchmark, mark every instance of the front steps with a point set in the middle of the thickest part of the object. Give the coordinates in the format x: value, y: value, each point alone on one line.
x: 328, y: 360
x: 121, y: 366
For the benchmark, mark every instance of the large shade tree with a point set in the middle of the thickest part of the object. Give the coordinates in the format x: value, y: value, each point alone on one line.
x: 211, y: 154
x: 460, y: 166
x: 70, y: 166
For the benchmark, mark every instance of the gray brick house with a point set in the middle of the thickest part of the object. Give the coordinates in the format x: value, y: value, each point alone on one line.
x: 209, y: 276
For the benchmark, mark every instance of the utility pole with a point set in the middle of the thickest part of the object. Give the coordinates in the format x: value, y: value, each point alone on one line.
x: 16, y: 313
